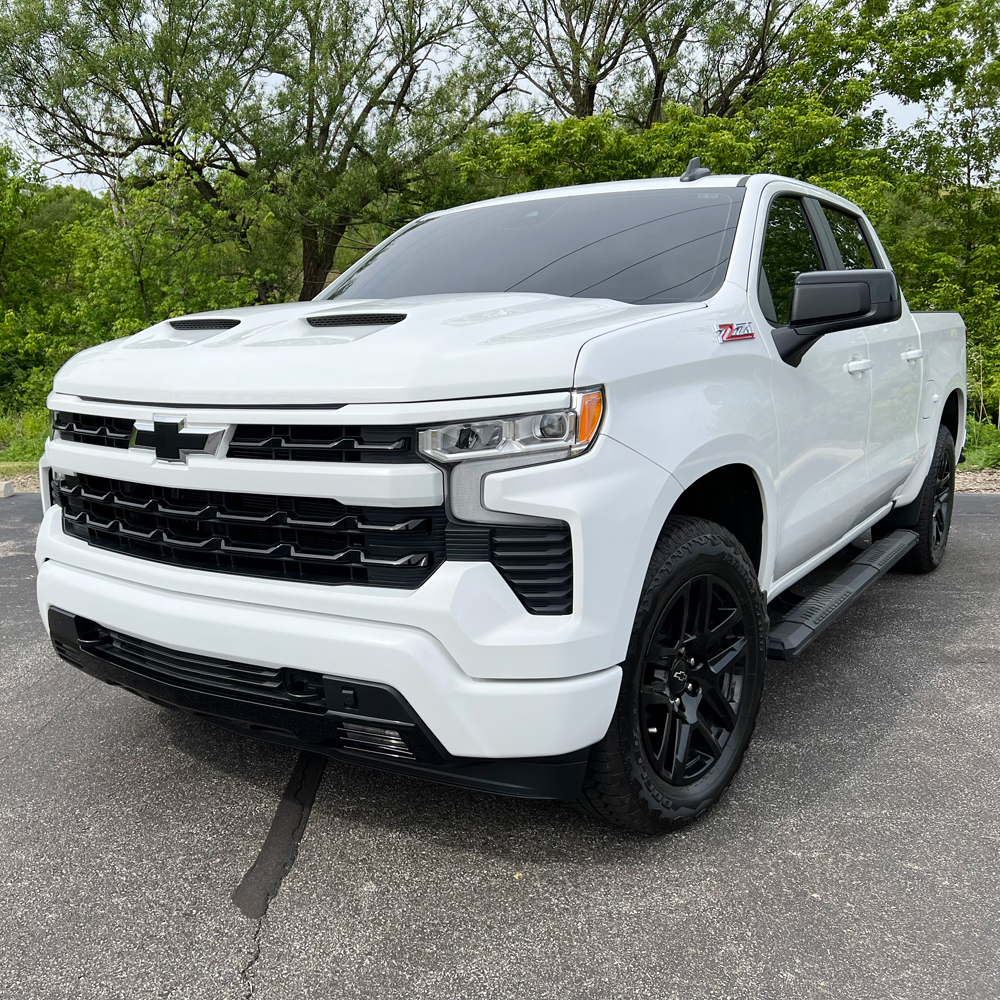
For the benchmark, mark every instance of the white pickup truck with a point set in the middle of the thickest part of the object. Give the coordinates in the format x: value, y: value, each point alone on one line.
x: 509, y: 503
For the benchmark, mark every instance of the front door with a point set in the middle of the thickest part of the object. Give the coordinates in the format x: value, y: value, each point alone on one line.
x: 822, y: 410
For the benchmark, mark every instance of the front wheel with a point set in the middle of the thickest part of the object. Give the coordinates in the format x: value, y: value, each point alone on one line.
x: 937, y: 499
x: 691, y: 684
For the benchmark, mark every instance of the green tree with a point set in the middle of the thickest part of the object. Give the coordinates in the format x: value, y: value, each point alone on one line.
x: 320, y: 108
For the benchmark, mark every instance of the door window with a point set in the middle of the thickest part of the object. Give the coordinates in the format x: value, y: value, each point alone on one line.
x: 850, y: 237
x: 789, y: 250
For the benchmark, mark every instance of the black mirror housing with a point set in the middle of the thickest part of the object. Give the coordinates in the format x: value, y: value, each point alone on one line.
x: 826, y: 301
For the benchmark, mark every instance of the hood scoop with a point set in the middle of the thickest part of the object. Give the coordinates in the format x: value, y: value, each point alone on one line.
x: 356, y: 319
x: 208, y: 323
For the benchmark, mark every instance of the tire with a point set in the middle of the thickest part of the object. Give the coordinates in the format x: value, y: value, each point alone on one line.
x: 937, y: 500
x: 683, y: 722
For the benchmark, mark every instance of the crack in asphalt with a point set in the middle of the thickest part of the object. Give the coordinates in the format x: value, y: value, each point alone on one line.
x: 277, y: 855
x: 246, y: 973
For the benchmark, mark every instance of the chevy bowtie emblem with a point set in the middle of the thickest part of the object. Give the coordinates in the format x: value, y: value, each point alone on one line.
x: 171, y: 442
x: 734, y: 331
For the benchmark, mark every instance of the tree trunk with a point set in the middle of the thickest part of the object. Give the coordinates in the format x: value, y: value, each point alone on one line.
x: 319, y: 248
x: 656, y: 101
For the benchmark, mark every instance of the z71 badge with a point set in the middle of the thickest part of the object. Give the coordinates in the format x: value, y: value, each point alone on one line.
x: 735, y: 331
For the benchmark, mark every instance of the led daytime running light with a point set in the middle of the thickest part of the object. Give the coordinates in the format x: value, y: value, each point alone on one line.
x: 560, y: 433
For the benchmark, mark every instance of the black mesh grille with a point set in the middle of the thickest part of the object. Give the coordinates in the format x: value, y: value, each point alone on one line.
x: 111, y: 432
x: 204, y: 324
x: 357, y: 319
x: 316, y: 540
x: 324, y: 443
x: 538, y: 565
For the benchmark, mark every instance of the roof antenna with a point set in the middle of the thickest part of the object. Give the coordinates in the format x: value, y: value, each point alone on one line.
x: 694, y: 170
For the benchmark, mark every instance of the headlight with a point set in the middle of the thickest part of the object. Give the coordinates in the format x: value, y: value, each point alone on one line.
x: 555, y: 433
x: 474, y: 449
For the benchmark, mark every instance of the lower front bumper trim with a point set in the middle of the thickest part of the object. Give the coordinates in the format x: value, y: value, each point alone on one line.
x: 395, y: 740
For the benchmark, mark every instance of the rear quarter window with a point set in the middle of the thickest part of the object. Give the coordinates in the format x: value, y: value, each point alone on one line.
x: 850, y: 237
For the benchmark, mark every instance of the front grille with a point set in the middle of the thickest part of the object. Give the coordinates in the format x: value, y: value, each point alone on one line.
x: 111, y: 432
x: 314, y: 540
x: 311, y: 539
x: 324, y: 443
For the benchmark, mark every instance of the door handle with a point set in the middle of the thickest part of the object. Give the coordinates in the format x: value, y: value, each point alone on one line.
x: 912, y: 355
x: 858, y: 366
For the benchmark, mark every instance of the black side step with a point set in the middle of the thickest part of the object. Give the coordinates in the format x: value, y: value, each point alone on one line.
x: 791, y: 633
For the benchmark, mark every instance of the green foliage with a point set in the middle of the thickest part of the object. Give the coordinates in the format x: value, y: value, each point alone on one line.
x: 246, y: 149
x: 78, y: 269
x: 804, y: 140
x: 982, y: 445
x: 22, y: 435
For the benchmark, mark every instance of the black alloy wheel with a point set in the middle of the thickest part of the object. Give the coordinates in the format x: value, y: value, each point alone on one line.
x: 937, y: 502
x: 944, y: 494
x: 691, y: 684
x: 692, y: 680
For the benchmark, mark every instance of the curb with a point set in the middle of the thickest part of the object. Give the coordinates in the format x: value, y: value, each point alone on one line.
x: 6, y: 489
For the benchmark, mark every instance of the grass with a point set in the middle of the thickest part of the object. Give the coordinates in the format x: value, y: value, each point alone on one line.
x: 982, y: 446
x: 22, y: 439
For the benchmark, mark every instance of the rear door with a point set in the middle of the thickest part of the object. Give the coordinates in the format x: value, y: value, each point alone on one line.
x: 822, y: 410
x: 896, y: 373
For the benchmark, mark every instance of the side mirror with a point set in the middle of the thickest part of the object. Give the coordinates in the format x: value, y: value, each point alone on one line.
x: 826, y: 301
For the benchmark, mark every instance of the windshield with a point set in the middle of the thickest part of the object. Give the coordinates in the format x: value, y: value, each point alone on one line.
x: 634, y: 246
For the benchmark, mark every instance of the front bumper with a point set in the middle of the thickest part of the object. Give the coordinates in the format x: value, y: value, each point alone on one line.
x: 468, y: 717
x: 487, y: 679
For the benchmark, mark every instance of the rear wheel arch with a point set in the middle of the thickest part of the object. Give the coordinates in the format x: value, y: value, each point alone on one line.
x: 953, y: 412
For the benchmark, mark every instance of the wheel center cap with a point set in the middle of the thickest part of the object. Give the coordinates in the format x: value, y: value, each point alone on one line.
x: 679, y: 680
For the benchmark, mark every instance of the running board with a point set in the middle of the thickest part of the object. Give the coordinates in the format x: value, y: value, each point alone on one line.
x: 791, y: 633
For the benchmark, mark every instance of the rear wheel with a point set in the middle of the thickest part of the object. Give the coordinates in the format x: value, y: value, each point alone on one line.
x: 937, y: 499
x: 691, y: 684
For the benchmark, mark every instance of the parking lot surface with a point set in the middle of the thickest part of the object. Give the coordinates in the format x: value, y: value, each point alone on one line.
x: 856, y: 855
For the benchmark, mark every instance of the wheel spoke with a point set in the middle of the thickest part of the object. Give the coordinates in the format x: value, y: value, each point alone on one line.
x: 721, y: 662
x: 660, y: 656
x: 704, y: 617
x: 719, y: 706
x: 711, y: 743
x: 723, y: 630
x: 653, y: 695
x: 681, y: 751
x: 684, y: 629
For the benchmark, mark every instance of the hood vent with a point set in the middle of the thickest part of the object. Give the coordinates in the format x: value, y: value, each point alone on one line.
x: 204, y: 324
x: 357, y: 319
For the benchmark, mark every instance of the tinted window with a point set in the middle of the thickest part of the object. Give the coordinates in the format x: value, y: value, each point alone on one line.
x: 635, y: 246
x: 850, y: 238
x: 789, y: 250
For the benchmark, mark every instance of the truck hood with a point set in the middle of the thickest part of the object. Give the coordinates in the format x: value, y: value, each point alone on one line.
x: 358, y: 351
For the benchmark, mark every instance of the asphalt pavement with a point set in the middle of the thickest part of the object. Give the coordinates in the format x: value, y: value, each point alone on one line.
x: 857, y: 855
